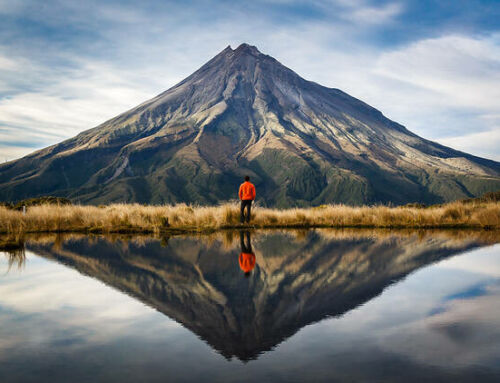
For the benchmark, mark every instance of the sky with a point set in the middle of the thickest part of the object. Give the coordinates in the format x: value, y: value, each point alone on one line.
x: 432, y: 66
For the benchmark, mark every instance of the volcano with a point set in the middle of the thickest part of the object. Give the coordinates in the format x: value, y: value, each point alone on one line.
x: 244, y: 113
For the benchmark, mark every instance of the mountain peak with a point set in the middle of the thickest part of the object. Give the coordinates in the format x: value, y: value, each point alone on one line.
x: 248, y: 49
x: 243, y: 50
x: 242, y: 113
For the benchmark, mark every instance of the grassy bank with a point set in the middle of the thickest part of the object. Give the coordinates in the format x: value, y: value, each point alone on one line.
x: 134, y: 218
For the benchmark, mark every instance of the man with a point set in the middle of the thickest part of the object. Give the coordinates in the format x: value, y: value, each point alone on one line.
x: 247, y: 195
x: 247, y: 256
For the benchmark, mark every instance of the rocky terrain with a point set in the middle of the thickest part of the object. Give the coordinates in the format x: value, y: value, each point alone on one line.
x: 242, y: 113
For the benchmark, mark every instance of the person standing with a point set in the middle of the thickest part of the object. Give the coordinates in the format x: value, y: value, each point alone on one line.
x: 247, y: 195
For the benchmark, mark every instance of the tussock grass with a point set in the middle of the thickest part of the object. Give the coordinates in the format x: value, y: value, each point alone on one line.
x: 135, y: 218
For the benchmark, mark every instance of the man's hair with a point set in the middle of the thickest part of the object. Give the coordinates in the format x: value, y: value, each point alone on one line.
x: 247, y: 178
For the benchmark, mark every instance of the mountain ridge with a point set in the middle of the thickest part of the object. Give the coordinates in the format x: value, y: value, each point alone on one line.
x: 241, y: 113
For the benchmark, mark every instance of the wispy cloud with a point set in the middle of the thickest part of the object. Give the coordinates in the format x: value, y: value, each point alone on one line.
x: 457, y: 78
x: 486, y: 143
x: 366, y: 15
x: 464, y: 70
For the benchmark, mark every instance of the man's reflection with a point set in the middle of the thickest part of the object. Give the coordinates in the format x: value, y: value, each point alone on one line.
x: 247, y: 257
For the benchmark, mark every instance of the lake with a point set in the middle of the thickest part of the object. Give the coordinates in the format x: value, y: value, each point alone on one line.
x: 271, y: 306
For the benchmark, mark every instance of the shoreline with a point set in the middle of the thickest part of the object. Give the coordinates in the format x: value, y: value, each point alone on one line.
x: 207, y: 230
x: 185, y: 219
x: 12, y: 243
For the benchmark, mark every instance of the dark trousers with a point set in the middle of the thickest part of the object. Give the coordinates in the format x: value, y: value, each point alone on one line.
x: 245, y: 204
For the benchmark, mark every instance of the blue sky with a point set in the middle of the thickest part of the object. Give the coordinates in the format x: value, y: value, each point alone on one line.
x: 433, y: 66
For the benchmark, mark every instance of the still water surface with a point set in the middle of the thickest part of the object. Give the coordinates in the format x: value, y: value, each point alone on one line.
x: 314, y: 306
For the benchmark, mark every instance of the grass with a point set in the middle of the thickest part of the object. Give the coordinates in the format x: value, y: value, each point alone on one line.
x: 135, y: 218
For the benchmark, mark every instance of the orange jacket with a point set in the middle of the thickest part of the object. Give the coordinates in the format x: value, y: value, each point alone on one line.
x: 247, y: 262
x: 247, y: 191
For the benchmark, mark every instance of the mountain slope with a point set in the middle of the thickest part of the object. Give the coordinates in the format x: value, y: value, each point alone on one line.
x: 245, y: 113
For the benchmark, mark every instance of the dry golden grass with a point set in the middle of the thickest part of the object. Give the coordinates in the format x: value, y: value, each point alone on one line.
x: 135, y: 218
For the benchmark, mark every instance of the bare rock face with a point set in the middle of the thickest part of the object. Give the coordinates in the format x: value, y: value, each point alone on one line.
x: 245, y: 113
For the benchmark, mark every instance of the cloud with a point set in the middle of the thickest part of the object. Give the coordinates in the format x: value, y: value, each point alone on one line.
x: 444, y: 88
x: 69, y: 103
x: 486, y: 143
x: 7, y: 64
x: 464, y: 70
x: 66, y: 67
x: 8, y: 152
x: 448, y: 90
x: 367, y: 15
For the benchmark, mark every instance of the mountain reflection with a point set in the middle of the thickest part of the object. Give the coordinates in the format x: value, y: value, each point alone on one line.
x: 245, y: 297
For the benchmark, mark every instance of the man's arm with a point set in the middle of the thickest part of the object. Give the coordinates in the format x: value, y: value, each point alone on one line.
x: 253, y: 192
x: 240, y: 192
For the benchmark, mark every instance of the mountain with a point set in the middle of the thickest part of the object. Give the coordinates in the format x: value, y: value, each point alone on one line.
x: 296, y: 281
x: 245, y: 113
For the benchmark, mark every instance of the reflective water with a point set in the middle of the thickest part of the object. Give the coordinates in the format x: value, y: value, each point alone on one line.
x: 270, y: 306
